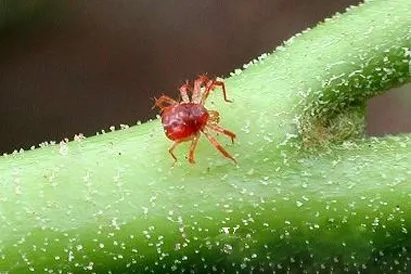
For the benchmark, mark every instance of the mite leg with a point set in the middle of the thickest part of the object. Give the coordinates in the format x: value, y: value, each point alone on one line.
x: 222, y: 130
x: 218, y: 146
x: 164, y: 100
x: 202, y: 80
x: 192, y: 149
x: 171, y: 149
x: 184, y: 90
x: 211, y: 85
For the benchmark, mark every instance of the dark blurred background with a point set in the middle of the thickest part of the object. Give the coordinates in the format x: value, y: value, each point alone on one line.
x: 72, y: 66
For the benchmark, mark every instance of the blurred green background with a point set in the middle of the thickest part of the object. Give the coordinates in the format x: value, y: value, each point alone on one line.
x: 81, y: 66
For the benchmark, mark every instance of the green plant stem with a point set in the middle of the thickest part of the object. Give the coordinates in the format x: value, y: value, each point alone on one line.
x: 113, y: 203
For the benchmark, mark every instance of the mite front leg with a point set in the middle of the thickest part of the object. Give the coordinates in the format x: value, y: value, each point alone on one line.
x: 164, y: 100
x: 184, y: 90
x: 218, y: 146
x: 201, y: 81
x: 211, y: 85
x: 222, y: 130
x: 193, y: 148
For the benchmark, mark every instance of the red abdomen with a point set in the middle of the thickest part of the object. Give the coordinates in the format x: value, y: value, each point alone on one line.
x: 183, y: 120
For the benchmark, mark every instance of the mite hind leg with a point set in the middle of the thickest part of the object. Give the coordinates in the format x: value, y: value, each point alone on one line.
x: 171, y: 151
x: 218, y: 146
x: 222, y: 130
x: 193, y: 148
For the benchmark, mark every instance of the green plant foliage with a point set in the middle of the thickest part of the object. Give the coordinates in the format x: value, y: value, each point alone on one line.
x: 308, y: 193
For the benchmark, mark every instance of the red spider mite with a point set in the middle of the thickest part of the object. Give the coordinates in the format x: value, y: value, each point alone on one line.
x: 185, y: 120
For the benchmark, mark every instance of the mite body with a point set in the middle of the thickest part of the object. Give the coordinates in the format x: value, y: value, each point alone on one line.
x: 187, y: 120
x: 184, y: 120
